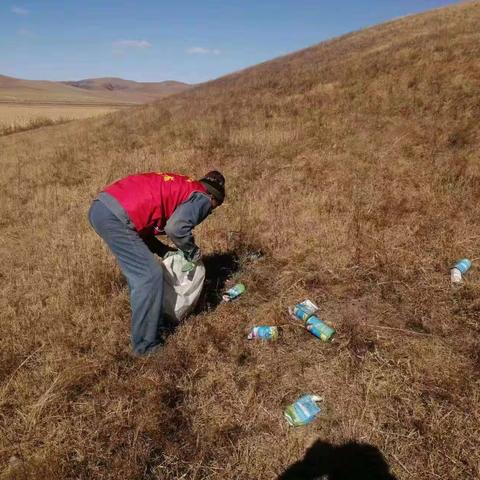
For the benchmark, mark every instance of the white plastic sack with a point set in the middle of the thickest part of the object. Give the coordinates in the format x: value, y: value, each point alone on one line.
x: 181, y: 289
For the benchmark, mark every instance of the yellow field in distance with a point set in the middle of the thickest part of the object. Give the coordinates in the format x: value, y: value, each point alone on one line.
x: 18, y: 114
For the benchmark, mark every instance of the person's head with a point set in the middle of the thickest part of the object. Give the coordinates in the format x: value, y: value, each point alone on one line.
x: 214, y: 182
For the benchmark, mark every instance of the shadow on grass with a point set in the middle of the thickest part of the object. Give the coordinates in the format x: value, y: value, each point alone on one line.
x: 350, y: 461
x: 219, y: 268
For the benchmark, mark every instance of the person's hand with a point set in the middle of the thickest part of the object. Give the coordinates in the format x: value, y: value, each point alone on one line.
x: 189, y: 263
x: 192, y: 260
x: 196, y: 256
x: 188, y: 266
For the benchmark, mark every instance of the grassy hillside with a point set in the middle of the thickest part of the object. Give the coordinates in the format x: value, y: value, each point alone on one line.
x: 354, y: 166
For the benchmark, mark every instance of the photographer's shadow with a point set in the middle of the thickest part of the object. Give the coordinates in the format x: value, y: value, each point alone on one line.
x: 350, y: 461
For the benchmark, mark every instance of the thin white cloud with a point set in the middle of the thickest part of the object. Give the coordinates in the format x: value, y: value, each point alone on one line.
x: 19, y: 10
x: 198, y: 50
x: 132, y: 44
x: 203, y: 51
x: 25, y: 32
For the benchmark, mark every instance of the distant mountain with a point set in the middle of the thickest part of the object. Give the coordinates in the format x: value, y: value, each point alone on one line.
x: 145, y: 91
x: 88, y: 91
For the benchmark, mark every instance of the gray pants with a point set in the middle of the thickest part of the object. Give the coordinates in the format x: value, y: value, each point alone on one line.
x: 142, y: 271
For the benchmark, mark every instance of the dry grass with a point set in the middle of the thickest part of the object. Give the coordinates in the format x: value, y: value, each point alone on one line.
x: 354, y: 165
x: 18, y: 117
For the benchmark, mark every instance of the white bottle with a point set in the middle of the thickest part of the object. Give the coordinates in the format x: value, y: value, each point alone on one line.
x: 456, y: 275
x: 461, y: 267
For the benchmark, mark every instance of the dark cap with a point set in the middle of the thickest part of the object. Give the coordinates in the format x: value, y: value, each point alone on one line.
x: 214, y: 182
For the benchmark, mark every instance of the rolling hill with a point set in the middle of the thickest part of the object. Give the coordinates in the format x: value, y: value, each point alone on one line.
x: 140, y: 91
x: 90, y: 91
x: 353, y: 166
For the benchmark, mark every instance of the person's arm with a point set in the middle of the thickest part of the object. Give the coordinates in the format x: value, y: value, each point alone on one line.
x: 184, y: 219
x: 156, y: 246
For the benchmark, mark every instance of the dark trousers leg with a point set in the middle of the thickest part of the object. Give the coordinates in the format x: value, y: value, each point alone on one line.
x: 142, y: 271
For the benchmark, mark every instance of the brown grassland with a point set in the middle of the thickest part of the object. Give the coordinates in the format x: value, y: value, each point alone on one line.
x: 30, y: 104
x: 17, y: 116
x: 354, y: 165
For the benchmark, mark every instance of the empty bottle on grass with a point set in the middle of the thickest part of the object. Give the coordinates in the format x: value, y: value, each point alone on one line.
x: 459, y: 269
x: 233, y: 292
x: 320, y: 329
x: 303, y: 411
x: 305, y: 312
x: 263, y: 332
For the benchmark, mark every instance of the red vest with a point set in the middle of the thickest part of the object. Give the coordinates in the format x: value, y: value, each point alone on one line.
x: 151, y: 198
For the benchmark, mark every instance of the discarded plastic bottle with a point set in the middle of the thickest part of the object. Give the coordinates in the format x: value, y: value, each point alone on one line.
x: 320, y: 329
x: 303, y: 411
x: 461, y: 267
x: 305, y: 312
x: 234, y: 292
x: 263, y: 332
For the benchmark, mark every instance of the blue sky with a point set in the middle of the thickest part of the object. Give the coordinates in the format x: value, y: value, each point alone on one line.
x: 189, y: 40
